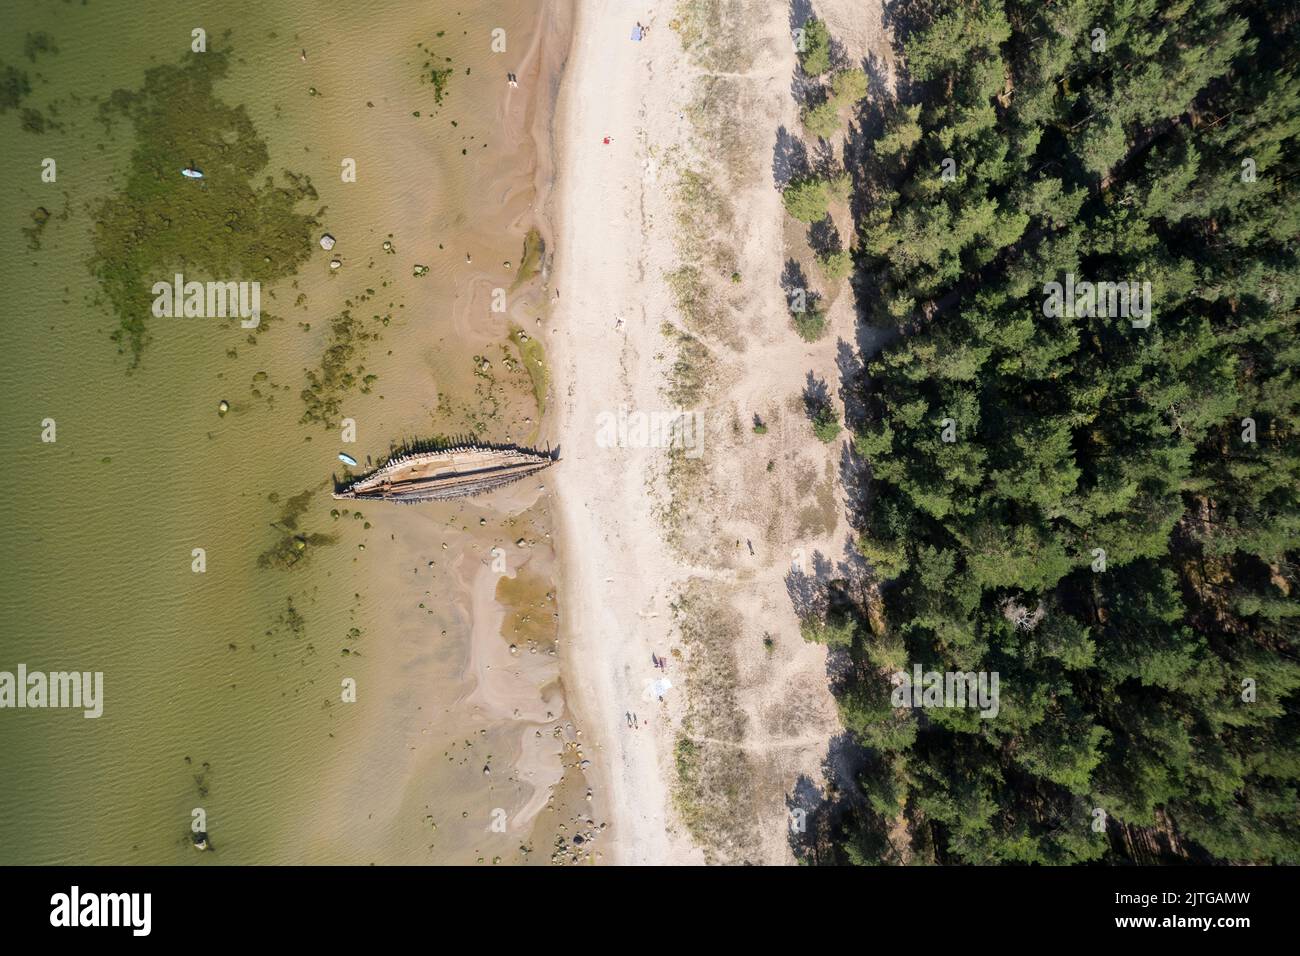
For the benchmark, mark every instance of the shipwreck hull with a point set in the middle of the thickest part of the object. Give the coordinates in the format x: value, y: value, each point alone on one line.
x: 445, y: 474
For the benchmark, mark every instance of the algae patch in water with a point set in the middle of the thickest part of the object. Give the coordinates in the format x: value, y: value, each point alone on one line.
x: 292, y: 546
x: 327, y: 385
x: 226, y: 226
x: 431, y: 74
x: 38, y: 44
x: 40, y: 219
x: 531, y: 620
x: 531, y: 263
x: 533, y: 356
x: 14, y: 86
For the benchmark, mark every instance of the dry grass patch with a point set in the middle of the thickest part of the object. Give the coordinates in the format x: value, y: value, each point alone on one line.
x: 693, y: 365
x: 820, y: 513
x: 721, y: 112
x: 713, y: 35
x: 715, y: 785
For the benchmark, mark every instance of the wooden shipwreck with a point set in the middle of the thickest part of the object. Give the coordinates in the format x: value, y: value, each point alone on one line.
x: 443, y: 473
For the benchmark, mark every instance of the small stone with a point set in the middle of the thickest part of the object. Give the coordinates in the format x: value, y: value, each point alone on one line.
x: 327, y: 242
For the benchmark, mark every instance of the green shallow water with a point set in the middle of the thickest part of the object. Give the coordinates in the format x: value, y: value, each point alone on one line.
x: 99, y: 526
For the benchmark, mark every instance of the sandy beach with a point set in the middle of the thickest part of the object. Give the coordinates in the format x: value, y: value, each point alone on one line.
x: 651, y: 560
x: 616, y: 571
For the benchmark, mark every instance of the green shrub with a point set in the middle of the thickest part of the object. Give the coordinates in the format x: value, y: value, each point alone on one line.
x: 822, y: 120
x: 839, y: 187
x: 811, y: 325
x: 815, y: 58
x: 807, y: 199
x: 849, y: 86
x: 836, y: 265
x: 832, y: 632
x: 826, y: 424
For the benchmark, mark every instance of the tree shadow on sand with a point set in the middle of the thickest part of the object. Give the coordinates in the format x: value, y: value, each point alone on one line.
x: 816, y: 394
x: 840, y: 824
x: 789, y: 158
x: 823, y: 237
x: 793, y: 280
x: 807, y: 589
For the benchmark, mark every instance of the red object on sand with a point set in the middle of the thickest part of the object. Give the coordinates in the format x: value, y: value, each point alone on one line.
x: 606, y: 141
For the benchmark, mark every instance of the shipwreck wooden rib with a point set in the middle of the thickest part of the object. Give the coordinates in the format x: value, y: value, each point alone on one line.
x: 448, y: 473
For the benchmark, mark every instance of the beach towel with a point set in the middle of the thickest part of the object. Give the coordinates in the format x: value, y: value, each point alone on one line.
x: 636, y: 34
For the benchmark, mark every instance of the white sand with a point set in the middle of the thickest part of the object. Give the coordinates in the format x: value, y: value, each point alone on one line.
x: 614, y: 562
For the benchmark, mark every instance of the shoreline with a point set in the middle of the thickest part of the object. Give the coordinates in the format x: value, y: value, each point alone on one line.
x: 508, y: 704
x: 558, y: 779
x: 583, y: 702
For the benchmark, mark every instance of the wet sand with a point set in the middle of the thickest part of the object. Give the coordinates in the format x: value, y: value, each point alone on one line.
x: 476, y: 744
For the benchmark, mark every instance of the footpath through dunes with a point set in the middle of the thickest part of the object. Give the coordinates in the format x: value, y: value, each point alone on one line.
x: 686, y: 570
